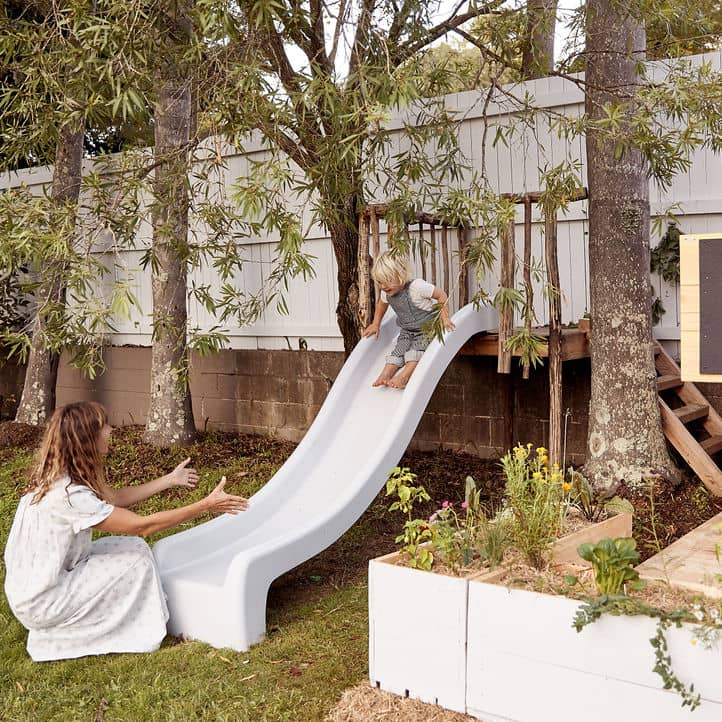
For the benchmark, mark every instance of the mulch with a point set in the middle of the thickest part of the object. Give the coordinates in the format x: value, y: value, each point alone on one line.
x: 364, y: 703
x: 19, y: 436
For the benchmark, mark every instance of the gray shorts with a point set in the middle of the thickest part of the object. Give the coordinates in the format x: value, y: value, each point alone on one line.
x: 410, y: 346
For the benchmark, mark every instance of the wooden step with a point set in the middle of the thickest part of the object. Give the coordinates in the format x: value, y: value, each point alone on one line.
x: 712, y: 445
x: 691, y: 412
x: 668, y: 382
x: 690, y: 449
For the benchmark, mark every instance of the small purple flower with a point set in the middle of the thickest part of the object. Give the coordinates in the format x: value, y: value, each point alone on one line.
x: 445, y: 504
x: 464, y: 505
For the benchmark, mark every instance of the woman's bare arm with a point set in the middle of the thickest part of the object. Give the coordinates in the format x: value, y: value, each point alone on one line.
x: 124, y: 521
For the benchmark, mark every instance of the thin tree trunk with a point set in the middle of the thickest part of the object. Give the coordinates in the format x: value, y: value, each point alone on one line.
x: 41, y: 375
x: 170, y: 415
x: 344, y: 238
x: 538, y: 51
x: 625, y: 436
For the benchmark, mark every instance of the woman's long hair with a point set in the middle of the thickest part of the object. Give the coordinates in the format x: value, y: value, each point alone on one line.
x: 70, y: 448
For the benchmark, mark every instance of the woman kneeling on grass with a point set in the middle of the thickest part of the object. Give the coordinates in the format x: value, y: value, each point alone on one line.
x: 76, y: 596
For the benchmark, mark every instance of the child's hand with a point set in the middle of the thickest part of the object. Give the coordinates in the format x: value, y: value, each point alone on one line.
x: 372, y: 330
x: 449, y: 325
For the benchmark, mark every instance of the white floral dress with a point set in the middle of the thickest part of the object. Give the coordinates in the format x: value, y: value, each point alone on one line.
x: 76, y: 596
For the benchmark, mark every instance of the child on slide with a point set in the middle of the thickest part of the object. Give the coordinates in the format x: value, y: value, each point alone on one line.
x: 414, y: 301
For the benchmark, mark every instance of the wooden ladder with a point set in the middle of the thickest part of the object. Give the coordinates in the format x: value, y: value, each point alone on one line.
x: 683, y: 404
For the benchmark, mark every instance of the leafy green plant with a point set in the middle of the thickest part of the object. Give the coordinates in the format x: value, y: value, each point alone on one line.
x: 593, y: 504
x: 537, y: 499
x: 416, y: 532
x: 621, y: 604
x: 613, y: 562
x: 453, y: 535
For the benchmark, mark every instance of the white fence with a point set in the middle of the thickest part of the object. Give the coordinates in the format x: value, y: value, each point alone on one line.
x: 696, y: 197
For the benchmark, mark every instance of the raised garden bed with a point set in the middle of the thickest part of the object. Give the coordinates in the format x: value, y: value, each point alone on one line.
x: 418, y: 622
x: 525, y: 663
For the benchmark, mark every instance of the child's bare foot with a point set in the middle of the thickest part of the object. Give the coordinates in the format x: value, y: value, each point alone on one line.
x: 402, y: 377
x: 386, y: 373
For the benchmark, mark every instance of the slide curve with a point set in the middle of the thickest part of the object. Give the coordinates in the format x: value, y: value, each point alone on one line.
x: 217, y: 575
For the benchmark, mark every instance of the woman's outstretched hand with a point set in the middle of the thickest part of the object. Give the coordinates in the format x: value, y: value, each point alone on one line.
x: 222, y: 503
x: 183, y: 475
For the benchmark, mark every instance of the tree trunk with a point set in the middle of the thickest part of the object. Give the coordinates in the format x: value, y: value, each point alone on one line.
x: 625, y: 436
x: 38, y: 398
x: 538, y: 52
x: 344, y: 238
x: 170, y: 415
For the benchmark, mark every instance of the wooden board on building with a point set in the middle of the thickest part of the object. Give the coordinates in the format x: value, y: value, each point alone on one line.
x: 694, y: 336
x: 575, y: 344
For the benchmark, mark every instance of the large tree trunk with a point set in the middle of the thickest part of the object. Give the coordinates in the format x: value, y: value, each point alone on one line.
x: 538, y: 51
x: 625, y: 436
x: 38, y: 398
x: 344, y: 238
x: 170, y: 415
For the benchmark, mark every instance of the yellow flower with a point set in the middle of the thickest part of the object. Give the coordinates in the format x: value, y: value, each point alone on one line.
x: 537, y: 475
x: 520, y: 453
x: 541, y: 450
x: 555, y: 467
x: 566, y: 486
x: 544, y: 459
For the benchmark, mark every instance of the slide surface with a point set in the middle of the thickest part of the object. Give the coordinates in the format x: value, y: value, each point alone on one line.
x: 217, y: 575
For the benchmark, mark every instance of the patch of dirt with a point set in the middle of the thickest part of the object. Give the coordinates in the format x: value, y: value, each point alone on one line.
x: 669, y: 511
x: 19, y: 436
x: 363, y: 703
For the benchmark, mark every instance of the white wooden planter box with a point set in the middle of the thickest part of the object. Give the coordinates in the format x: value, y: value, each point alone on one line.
x: 418, y: 623
x: 526, y: 663
x: 417, y: 633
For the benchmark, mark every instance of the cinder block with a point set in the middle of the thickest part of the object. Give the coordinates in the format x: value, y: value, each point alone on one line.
x: 324, y: 364
x: 428, y: 429
x: 268, y: 414
x: 128, y: 357
x: 446, y: 399
x: 298, y: 416
x: 308, y: 391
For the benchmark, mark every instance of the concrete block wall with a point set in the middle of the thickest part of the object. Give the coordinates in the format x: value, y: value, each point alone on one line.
x: 473, y: 409
x: 280, y: 392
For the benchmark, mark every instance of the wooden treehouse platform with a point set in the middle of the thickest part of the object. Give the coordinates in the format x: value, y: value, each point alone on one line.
x: 575, y: 343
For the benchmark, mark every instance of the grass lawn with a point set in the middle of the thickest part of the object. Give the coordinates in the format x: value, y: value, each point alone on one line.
x: 315, y: 648
x: 317, y: 618
x: 316, y: 645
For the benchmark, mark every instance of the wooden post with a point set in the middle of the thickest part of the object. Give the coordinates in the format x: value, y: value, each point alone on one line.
x: 463, y: 270
x: 422, y: 250
x: 506, y: 314
x: 555, y: 340
x: 528, y: 288
x: 364, y: 274
x: 376, y: 248
x: 434, y: 280
x: 445, y: 258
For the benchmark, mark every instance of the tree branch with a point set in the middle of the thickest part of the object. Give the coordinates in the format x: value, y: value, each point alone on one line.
x: 361, y: 38
x: 337, y: 31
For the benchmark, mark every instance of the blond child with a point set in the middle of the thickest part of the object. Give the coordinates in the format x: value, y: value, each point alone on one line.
x: 414, y: 302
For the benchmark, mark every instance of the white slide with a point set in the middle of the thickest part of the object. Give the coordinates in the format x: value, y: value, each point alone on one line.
x: 217, y: 575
